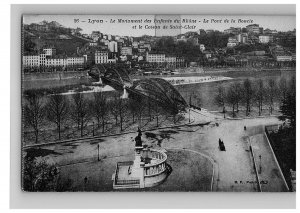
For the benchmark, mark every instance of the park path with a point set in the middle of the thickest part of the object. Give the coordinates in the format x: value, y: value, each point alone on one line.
x: 235, y: 166
x: 233, y: 169
x: 269, y: 172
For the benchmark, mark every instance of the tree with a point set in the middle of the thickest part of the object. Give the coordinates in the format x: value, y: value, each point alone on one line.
x: 113, y: 106
x: 34, y: 113
x: 238, y: 94
x: 271, y: 92
x: 231, y: 98
x: 157, y: 110
x: 80, y: 111
x: 288, y: 104
x: 100, y: 108
x: 122, y: 109
x: 220, y: 98
x: 283, y: 88
x: 259, y: 94
x: 119, y: 108
x: 57, y: 111
x: 133, y: 108
x: 195, y: 99
x: 288, y: 109
x: 248, y: 95
x: 38, y: 175
x: 140, y: 109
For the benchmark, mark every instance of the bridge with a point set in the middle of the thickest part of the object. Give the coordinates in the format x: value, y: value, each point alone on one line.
x: 155, y: 89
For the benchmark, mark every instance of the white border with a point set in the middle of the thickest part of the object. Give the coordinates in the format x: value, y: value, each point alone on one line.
x: 20, y: 199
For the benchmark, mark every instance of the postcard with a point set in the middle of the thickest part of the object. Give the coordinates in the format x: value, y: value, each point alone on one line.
x: 158, y: 103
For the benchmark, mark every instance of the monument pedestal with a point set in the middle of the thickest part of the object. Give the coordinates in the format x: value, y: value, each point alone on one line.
x: 137, y: 169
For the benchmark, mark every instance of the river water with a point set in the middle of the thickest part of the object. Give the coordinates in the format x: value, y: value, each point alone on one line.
x: 205, y: 91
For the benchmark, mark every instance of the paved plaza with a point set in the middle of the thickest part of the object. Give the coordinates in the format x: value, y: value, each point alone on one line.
x: 193, y: 154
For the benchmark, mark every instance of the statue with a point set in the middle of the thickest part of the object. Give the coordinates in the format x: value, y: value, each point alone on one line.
x: 138, y: 139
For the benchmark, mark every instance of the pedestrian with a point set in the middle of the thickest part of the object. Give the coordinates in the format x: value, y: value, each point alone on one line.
x: 85, y: 180
x: 245, y: 128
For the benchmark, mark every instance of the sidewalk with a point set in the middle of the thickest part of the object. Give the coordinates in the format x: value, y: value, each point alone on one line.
x: 270, y: 173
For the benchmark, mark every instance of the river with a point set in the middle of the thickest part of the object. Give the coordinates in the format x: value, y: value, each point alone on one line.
x: 206, y: 91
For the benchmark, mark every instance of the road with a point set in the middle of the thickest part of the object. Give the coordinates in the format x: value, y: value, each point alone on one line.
x: 193, y: 153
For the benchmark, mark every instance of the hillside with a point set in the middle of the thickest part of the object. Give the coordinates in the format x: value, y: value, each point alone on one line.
x: 65, y: 43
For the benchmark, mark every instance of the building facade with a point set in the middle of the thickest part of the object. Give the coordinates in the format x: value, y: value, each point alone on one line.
x: 75, y: 61
x: 126, y: 51
x: 264, y: 39
x: 155, y: 58
x: 55, y: 62
x: 101, y: 57
x: 49, y: 51
x: 113, y: 46
x: 253, y: 28
x: 31, y: 60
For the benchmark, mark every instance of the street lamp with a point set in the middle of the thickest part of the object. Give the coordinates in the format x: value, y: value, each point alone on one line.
x: 93, y: 128
x: 259, y: 164
x: 98, y: 148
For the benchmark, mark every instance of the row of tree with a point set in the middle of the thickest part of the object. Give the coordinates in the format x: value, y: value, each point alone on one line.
x: 81, y: 111
x: 254, y: 94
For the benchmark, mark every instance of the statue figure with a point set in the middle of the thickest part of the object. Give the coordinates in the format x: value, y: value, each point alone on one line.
x: 138, y: 139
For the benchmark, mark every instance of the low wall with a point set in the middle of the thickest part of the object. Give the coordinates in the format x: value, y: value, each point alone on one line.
x: 54, y: 75
x: 279, y: 163
x: 155, y: 180
x: 156, y: 173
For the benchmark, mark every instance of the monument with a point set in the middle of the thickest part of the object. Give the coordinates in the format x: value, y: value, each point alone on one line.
x: 148, y: 169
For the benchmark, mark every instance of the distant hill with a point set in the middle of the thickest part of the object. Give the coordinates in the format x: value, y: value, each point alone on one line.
x: 61, y: 39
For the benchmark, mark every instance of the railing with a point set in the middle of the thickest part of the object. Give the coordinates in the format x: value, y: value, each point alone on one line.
x: 128, y: 182
x: 155, y: 154
x: 159, y: 166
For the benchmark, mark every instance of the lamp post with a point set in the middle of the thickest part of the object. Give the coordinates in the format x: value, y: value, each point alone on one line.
x: 190, y: 108
x: 93, y: 128
x: 98, y: 148
x: 259, y: 164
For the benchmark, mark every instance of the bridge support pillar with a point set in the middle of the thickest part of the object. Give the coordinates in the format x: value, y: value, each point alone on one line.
x: 100, y: 80
x: 125, y: 93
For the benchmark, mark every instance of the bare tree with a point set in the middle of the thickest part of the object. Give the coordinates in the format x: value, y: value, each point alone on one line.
x: 57, y: 111
x: 123, y: 109
x: 100, y: 108
x: 140, y: 110
x: 283, y: 88
x: 259, y: 93
x: 247, y: 95
x: 113, y: 106
x: 119, y: 108
x: 80, y: 111
x: 220, y: 97
x: 271, y: 92
x: 238, y: 94
x: 34, y: 113
x: 231, y: 98
x: 194, y: 99
x: 149, y: 104
x: 133, y: 108
x: 156, y: 109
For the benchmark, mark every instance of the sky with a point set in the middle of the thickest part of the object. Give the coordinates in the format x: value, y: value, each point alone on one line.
x: 104, y: 23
